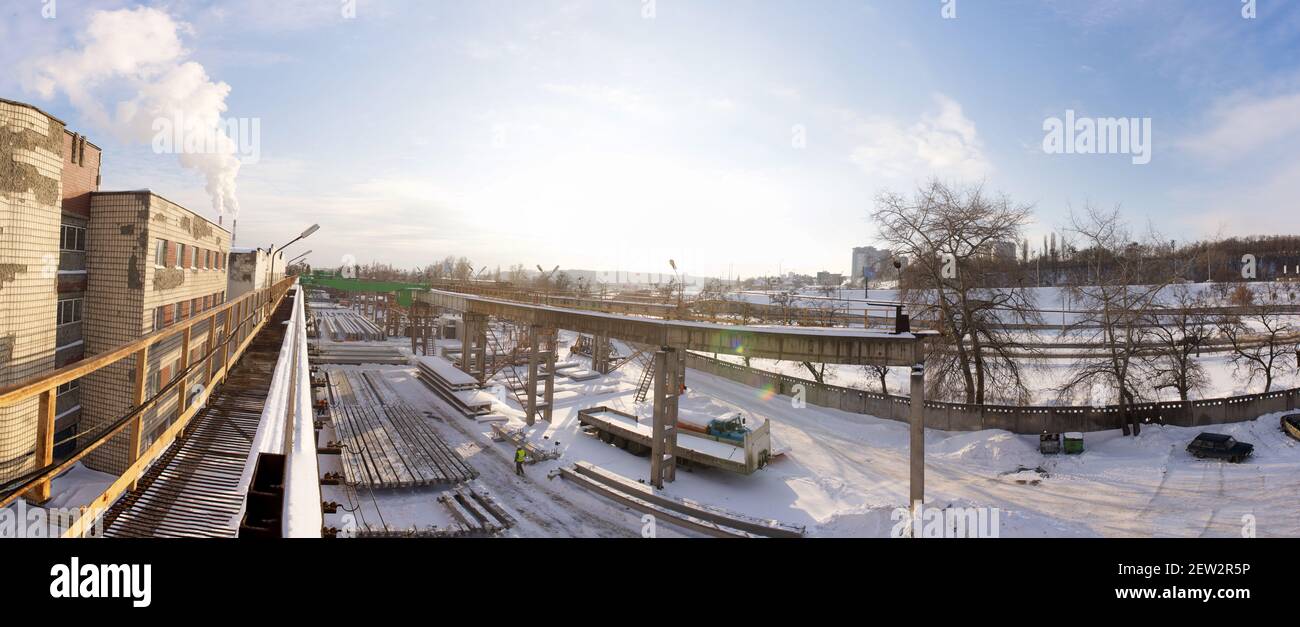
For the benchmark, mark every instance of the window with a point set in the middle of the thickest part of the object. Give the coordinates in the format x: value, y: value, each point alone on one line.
x: 73, y: 238
x: 159, y: 318
x: 155, y: 384
x: 160, y: 253
x: 180, y: 255
x: 68, y: 387
x: 69, y: 311
x: 176, y: 315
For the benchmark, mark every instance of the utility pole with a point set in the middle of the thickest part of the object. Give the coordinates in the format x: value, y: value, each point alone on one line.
x: 916, y: 438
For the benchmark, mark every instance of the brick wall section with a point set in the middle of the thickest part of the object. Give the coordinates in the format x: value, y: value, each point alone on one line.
x: 123, y: 291
x: 30, y: 210
x: 81, y: 161
x: 81, y: 176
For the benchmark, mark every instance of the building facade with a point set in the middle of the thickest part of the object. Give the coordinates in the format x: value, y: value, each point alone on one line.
x: 152, y: 263
x: 253, y: 269
x: 31, y: 200
x: 81, y: 177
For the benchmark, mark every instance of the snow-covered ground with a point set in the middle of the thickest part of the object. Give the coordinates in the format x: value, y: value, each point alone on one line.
x: 844, y: 474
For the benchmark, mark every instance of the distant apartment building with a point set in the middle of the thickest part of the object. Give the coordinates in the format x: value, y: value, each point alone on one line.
x: 152, y: 264
x: 829, y: 279
x: 869, y: 258
x: 1003, y: 251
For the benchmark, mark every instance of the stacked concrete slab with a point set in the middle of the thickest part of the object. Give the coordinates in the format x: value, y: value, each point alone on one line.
x: 453, y: 385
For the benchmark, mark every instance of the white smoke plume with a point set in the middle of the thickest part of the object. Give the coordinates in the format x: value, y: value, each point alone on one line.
x: 138, y: 53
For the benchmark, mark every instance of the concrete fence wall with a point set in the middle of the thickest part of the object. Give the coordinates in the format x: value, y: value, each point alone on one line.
x: 1016, y: 419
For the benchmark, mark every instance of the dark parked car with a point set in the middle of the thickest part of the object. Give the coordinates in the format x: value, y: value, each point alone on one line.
x: 1219, y: 446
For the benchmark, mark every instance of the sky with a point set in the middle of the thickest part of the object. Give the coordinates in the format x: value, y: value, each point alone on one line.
x: 737, y: 138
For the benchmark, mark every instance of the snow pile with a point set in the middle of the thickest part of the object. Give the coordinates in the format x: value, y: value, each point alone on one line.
x: 993, y: 448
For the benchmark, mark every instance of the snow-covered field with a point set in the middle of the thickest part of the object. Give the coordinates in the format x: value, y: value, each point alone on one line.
x: 844, y: 474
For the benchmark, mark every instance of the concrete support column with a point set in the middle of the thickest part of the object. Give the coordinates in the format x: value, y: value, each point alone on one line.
x: 480, y: 349
x: 530, y: 386
x: 549, y: 398
x: 473, y: 346
x: 465, y: 333
x: 917, y: 436
x: 600, y: 353
x: 663, y: 441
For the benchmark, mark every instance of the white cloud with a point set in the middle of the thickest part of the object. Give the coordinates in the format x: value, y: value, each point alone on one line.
x: 940, y: 143
x: 1244, y: 125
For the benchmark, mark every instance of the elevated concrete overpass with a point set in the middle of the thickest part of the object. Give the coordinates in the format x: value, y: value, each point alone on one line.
x: 675, y: 337
x: 827, y: 345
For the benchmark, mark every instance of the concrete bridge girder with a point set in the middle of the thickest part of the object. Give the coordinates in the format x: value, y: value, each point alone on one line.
x: 835, y: 346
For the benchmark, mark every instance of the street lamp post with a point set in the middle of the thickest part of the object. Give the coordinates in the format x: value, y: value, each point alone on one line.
x: 271, y: 259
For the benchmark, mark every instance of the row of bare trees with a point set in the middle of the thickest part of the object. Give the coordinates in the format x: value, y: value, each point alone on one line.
x: 1144, y: 326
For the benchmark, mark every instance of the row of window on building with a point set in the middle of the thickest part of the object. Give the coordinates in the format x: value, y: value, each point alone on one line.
x: 73, y: 238
x: 173, y: 254
x: 167, y: 315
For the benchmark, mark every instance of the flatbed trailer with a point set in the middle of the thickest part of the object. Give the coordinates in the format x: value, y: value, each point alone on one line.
x: 628, y: 432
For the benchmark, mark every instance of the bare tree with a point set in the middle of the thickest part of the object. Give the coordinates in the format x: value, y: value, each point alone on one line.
x: 1115, y: 308
x: 517, y: 275
x: 1178, y: 330
x: 881, y: 374
x: 948, y: 235
x: 1260, y: 338
x: 817, y: 370
x: 462, y: 270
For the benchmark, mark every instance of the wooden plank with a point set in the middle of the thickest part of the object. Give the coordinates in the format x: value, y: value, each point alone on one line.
x: 44, y: 444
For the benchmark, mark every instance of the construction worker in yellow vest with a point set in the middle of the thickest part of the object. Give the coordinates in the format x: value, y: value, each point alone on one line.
x: 520, y: 455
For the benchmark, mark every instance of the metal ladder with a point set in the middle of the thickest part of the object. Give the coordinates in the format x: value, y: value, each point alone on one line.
x: 513, y: 382
x: 647, y: 378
